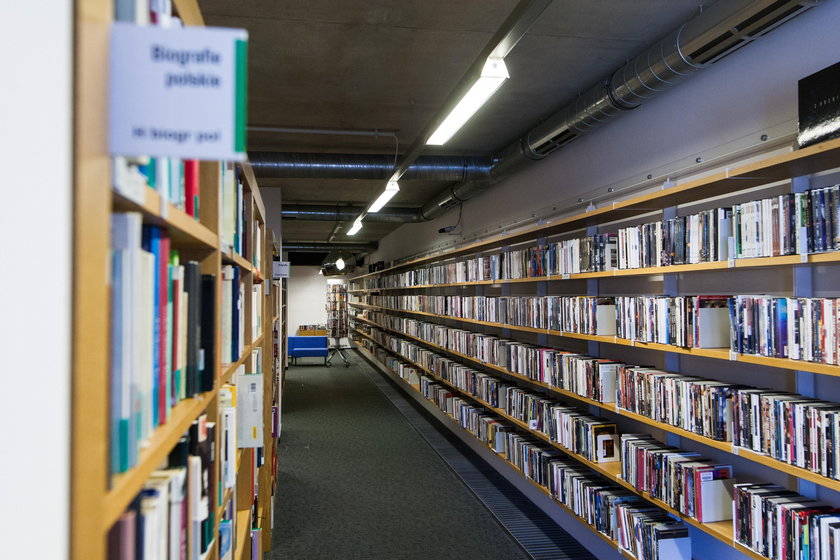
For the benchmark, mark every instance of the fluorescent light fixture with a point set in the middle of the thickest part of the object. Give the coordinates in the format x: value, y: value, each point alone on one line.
x: 357, y: 225
x: 389, y: 192
x: 492, y: 76
x: 339, y: 263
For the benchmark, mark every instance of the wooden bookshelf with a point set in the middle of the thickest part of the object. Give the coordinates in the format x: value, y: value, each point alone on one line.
x: 97, y: 497
x: 725, y: 446
x: 823, y: 157
x: 720, y: 530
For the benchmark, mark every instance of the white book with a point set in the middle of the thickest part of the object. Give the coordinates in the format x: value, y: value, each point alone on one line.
x: 249, y: 408
x: 227, y: 314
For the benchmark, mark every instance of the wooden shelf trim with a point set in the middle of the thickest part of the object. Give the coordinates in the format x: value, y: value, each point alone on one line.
x: 183, y: 229
x: 232, y: 257
x: 714, y: 353
x: 243, y: 533
x: 189, y: 11
x: 820, y: 157
x: 725, y: 446
x: 126, y: 485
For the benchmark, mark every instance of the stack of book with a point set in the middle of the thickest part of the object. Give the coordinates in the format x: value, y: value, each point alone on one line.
x: 158, y: 305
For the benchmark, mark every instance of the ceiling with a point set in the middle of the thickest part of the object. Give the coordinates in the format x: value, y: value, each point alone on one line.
x: 389, y: 65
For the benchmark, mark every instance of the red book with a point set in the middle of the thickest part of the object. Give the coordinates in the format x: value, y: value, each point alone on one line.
x: 191, y: 186
x: 163, y: 306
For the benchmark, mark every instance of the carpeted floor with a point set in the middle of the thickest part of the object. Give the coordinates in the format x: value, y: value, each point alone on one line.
x: 356, y: 481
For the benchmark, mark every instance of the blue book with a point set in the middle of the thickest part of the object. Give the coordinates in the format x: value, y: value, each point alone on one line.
x: 119, y: 457
x: 152, y: 236
x: 225, y: 540
x: 234, y: 352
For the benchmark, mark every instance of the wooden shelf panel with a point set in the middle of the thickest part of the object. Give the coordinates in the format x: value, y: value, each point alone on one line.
x: 243, y: 526
x: 184, y: 230
x: 725, y: 446
x: 125, y: 486
x: 189, y: 12
x: 820, y: 157
x: 232, y: 257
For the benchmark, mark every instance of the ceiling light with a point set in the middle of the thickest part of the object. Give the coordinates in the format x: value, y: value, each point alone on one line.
x: 492, y: 76
x: 339, y: 264
x: 357, y: 225
x: 389, y: 192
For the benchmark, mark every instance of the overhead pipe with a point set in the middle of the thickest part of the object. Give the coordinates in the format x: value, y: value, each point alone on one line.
x: 291, y: 165
x: 334, y: 213
x: 708, y: 37
x: 322, y: 247
x: 703, y: 40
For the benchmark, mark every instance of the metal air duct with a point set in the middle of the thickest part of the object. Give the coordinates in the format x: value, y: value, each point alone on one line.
x: 290, y: 165
x: 319, y: 247
x: 713, y: 34
x: 332, y: 213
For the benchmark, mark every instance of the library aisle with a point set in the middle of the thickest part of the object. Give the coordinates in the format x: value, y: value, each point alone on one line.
x: 357, y: 481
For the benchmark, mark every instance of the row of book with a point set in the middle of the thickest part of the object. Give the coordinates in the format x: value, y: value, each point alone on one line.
x: 233, y: 229
x: 806, y: 222
x: 647, y: 465
x: 587, y: 376
x: 694, y: 486
x: 643, y: 531
x: 780, y: 524
x: 786, y: 327
x: 797, y: 328
x: 785, y: 426
x: 160, y: 355
x: 174, y: 516
x: 686, y: 321
x: 579, y: 314
x: 233, y: 314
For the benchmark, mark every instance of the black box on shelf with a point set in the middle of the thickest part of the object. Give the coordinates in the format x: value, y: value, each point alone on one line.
x: 819, y: 106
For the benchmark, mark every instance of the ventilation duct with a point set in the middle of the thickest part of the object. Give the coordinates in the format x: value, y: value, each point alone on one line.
x: 290, y: 165
x: 715, y: 33
x: 319, y: 247
x: 329, y: 213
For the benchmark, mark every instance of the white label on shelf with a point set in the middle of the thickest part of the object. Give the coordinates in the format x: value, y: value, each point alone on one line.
x: 803, y: 244
x: 733, y: 356
x: 566, y: 276
x: 532, y: 424
x: 177, y: 92
x: 731, y: 249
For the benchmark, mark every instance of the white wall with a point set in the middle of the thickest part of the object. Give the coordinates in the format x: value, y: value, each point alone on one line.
x: 307, y: 298
x: 748, y: 93
x: 35, y: 288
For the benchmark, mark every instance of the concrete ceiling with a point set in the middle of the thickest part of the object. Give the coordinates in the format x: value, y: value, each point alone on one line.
x: 390, y: 64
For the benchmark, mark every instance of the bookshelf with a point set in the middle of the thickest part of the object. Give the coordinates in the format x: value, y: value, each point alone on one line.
x: 730, y: 184
x: 98, y: 497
